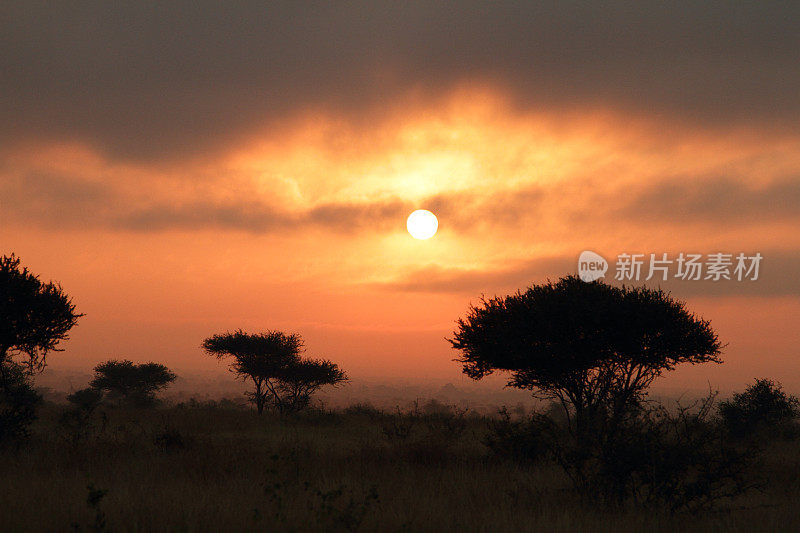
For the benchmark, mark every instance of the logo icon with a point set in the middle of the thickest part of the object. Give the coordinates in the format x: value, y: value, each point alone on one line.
x: 591, y: 266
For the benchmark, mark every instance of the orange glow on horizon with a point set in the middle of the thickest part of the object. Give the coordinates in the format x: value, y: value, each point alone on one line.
x: 304, y: 225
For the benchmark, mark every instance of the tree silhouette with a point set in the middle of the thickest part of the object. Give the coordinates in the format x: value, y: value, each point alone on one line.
x: 271, y: 360
x: 34, y: 316
x: 593, y: 347
x: 86, y: 400
x: 764, y: 405
x: 18, y: 402
x: 129, y: 383
x: 298, y: 381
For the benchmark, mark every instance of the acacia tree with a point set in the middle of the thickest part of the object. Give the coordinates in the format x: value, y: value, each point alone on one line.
x: 130, y: 383
x: 298, y: 381
x: 593, y: 347
x: 34, y: 318
x: 272, y: 361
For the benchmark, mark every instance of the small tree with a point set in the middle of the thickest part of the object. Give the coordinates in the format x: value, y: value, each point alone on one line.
x: 34, y: 318
x: 763, y: 405
x: 259, y: 357
x: 80, y: 422
x: 593, y: 347
x: 299, y: 381
x: 271, y: 360
x: 86, y: 400
x: 129, y: 383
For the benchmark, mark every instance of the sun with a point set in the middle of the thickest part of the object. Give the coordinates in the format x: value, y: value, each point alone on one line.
x: 422, y: 224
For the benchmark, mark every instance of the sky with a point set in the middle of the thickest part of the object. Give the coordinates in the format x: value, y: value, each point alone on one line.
x: 187, y: 168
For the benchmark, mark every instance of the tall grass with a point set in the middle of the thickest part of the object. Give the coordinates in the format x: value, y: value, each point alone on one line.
x: 220, y: 468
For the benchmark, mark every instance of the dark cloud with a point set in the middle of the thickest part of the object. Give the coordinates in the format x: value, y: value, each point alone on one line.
x: 261, y: 218
x: 150, y: 79
x: 61, y: 202
x: 52, y: 200
x: 777, y: 277
x: 721, y: 200
x: 665, y: 202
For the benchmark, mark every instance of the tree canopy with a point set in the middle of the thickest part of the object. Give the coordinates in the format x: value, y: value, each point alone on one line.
x: 34, y: 316
x: 592, y: 346
x: 272, y: 361
x: 130, y: 383
x: 300, y: 380
x: 764, y: 405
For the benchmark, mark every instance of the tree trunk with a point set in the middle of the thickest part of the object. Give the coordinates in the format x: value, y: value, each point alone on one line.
x: 259, y: 397
x: 3, y: 377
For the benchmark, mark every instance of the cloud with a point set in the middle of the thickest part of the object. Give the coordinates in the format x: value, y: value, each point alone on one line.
x: 777, y: 277
x: 661, y: 202
x: 434, y: 278
x: 52, y: 200
x: 57, y: 201
x: 146, y: 80
x: 724, y: 200
x: 61, y: 200
x: 261, y: 218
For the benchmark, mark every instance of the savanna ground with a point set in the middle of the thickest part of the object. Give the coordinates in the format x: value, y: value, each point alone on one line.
x: 220, y: 467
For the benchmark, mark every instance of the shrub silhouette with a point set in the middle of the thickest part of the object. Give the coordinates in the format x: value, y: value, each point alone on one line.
x: 271, y: 360
x: 677, y: 458
x: 18, y: 402
x: 130, y: 383
x: 763, y: 406
x: 78, y: 423
x: 170, y: 439
x: 99, y: 521
x: 86, y: 400
x: 524, y: 440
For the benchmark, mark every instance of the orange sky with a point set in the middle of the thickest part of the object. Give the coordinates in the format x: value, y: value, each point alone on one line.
x: 292, y: 215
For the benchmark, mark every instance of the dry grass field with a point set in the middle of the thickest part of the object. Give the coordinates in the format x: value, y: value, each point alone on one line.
x: 219, y: 468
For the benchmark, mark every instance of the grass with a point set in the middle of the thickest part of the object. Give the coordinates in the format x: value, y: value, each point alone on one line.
x: 204, y: 468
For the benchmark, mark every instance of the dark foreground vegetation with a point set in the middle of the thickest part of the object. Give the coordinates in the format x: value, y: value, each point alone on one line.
x: 221, y: 466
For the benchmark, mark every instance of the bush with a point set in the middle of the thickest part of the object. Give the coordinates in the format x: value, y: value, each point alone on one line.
x: 424, y: 438
x: 364, y: 409
x: 762, y: 407
x: 18, y: 402
x: 99, y: 521
x: 397, y: 427
x: 678, y: 460
x: 170, y: 439
x: 80, y: 422
x: 682, y: 460
x: 522, y: 440
x: 87, y: 399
